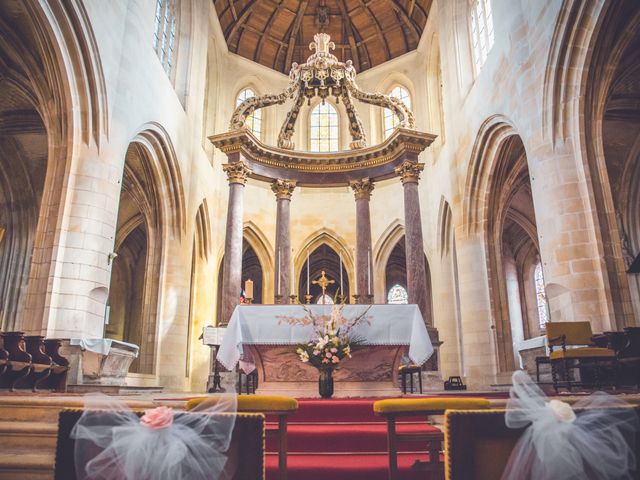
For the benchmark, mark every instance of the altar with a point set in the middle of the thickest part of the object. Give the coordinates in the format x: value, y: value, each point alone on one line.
x: 263, y: 338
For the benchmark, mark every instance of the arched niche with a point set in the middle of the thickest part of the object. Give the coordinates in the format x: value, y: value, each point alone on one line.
x: 323, y: 259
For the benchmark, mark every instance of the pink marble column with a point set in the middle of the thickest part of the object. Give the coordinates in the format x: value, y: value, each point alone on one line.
x: 237, y: 173
x: 364, y: 268
x: 409, y: 173
x: 282, y: 272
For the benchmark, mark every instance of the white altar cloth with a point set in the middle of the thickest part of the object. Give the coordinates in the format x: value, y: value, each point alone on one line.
x: 265, y: 325
x: 101, y: 345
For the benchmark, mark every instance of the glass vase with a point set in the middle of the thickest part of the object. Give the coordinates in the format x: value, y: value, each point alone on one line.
x: 325, y: 383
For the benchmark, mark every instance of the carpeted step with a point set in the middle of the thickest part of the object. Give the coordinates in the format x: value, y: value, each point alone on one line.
x: 337, y: 437
x: 335, y: 410
x: 347, y: 466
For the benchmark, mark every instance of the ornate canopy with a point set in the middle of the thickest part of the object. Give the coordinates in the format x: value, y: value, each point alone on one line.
x: 323, y: 76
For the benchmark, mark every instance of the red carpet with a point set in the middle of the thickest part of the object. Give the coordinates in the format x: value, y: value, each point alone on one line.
x: 343, y: 440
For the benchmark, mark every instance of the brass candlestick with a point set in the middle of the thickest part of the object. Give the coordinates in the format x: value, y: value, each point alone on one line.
x: 278, y: 299
x: 342, y: 299
x: 248, y: 300
x: 370, y: 299
x: 307, y: 299
x: 356, y: 298
x: 293, y: 299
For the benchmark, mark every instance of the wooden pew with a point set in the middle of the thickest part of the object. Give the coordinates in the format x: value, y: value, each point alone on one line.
x: 57, y: 380
x: 19, y: 365
x: 41, y: 363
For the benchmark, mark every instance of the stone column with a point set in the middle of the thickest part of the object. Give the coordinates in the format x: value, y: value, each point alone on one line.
x: 237, y: 173
x: 282, y: 269
x: 409, y: 173
x: 364, y: 267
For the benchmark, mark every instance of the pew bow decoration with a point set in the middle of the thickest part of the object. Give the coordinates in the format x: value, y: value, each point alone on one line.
x: 593, y: 439
x: 114, y: 443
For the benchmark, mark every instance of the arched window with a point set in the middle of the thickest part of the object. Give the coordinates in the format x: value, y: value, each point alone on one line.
x: 324, y: 128
x: 481, y: 31
x: 390, y: 119
x: 324, y: 300
x: 254, y: 121
x: 541, y: 296
x: 164, y: 33
x: 397, y: 295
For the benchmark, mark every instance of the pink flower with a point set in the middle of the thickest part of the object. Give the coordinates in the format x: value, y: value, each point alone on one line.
x: 324, y: 360
x: 329, y: 354
x: 159, y: 417
x: 335, y: 359
x: 316, y: 352
x: 334, y: 350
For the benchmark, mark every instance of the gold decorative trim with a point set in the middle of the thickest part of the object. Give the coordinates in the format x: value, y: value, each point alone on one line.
x: 283, y: 188
x: 362, y: 188
x: 409, y: 172
x: 237, y: 172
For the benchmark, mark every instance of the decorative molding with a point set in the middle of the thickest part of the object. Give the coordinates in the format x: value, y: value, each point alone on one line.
x: 409, y: 172
x: 283, y: 188
x: 237, y: 172
x: 362, y: 188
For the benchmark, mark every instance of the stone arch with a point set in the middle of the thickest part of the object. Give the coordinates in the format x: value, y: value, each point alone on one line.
x: 253, y: 236
x: 386, y: 85
x: 336, y: 243
x: 51, y: 72
x: 445, y: 228
x: 381, y: 253
x: 434, y: 90
x: 498, y: 207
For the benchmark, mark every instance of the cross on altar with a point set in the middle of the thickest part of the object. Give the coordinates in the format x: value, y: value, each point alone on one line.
x: 323, y: 282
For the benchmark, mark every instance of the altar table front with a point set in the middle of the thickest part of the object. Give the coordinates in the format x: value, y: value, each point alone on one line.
x: 264, y: 337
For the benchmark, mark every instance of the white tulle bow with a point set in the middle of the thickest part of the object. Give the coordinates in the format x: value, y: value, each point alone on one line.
x: 113, y: 443
x: 593, y: 439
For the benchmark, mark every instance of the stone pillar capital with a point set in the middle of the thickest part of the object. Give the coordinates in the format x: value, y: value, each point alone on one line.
x: 362, y: 188
x: 409, y: 172
x: 237, y: 172
x: 283, y: 188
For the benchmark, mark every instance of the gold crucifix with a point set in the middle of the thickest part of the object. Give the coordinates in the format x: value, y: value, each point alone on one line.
x: 323, y: 282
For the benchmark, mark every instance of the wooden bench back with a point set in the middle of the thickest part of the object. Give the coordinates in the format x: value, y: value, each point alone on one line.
x: 576, y: 333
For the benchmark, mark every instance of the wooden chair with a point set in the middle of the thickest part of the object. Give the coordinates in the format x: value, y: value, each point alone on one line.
x: 19, y: 361
x: 248, y: 439
x: 585, y: 356
x: 409, y: 371
x: 41, y: 363
x: 59, y: 370
x: 250, y: 381
x: 280, y: 407
x: 393, y: 408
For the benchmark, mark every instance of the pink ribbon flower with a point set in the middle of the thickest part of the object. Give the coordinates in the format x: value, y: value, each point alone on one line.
x: 159, y: 417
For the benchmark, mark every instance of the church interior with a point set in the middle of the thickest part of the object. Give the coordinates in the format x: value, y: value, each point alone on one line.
x: 381, y: 236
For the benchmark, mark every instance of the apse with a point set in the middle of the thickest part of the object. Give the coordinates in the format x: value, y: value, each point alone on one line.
x: 323, y: 259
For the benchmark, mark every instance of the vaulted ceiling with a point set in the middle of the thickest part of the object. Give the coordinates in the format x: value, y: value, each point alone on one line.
x: 277, y: 33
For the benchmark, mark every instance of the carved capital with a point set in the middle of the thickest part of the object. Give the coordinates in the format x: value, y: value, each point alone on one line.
x: 283, y: 188
x: 237, y: 172
x: 409, y: 172
x: 362, y: 188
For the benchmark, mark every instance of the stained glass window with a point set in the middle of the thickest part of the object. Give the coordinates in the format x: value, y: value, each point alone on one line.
x: 481, y: 31
x: 164, y: 33
x: 398, y: 295
x: 254, y: 121
x: 541, y: 296
x: 324, y: 300
x: 390, y: 119
x: 324, y: 128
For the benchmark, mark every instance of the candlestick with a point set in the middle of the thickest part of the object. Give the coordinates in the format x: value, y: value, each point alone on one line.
x: 307, y: 299
x: 293, y: 298
x: 341, y: 289
x: 369, y: 272
x: 356, y: 297
x: 278, y: 299
x: 278, y: 271
x: 308, y: 274
x: 370, y: 299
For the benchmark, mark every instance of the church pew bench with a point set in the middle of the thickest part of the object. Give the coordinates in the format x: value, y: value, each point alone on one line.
x: 394, y: 408
x: 19, y: 361
x: 247, y: 438
x: 278, y: 406
x: 59, y: 371
x: 41, y: 363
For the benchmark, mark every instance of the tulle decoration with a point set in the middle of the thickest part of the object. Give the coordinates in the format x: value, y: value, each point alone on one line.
x: 112, y: 443
x: 593, y: 440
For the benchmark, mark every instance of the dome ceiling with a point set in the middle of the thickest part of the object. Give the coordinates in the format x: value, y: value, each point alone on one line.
x: 277, y: 33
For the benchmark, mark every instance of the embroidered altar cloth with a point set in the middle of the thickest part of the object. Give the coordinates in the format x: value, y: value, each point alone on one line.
x: 285, y: 325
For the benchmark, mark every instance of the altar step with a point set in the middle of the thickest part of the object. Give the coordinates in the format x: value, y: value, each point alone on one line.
x: 342, y: 439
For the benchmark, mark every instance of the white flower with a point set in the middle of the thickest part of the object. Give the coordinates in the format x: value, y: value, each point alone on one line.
x: 562, y: 410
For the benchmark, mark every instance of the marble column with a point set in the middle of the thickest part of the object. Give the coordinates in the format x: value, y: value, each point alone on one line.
x: 409, y: 173
x: 364, y: 257
x: 237, y: 173
x: 282, y: 271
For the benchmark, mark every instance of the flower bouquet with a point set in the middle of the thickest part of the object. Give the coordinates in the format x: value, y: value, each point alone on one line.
x: 331, y: 343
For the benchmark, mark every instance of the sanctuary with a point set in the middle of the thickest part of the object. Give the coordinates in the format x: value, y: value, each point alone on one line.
x: 347, y: 239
